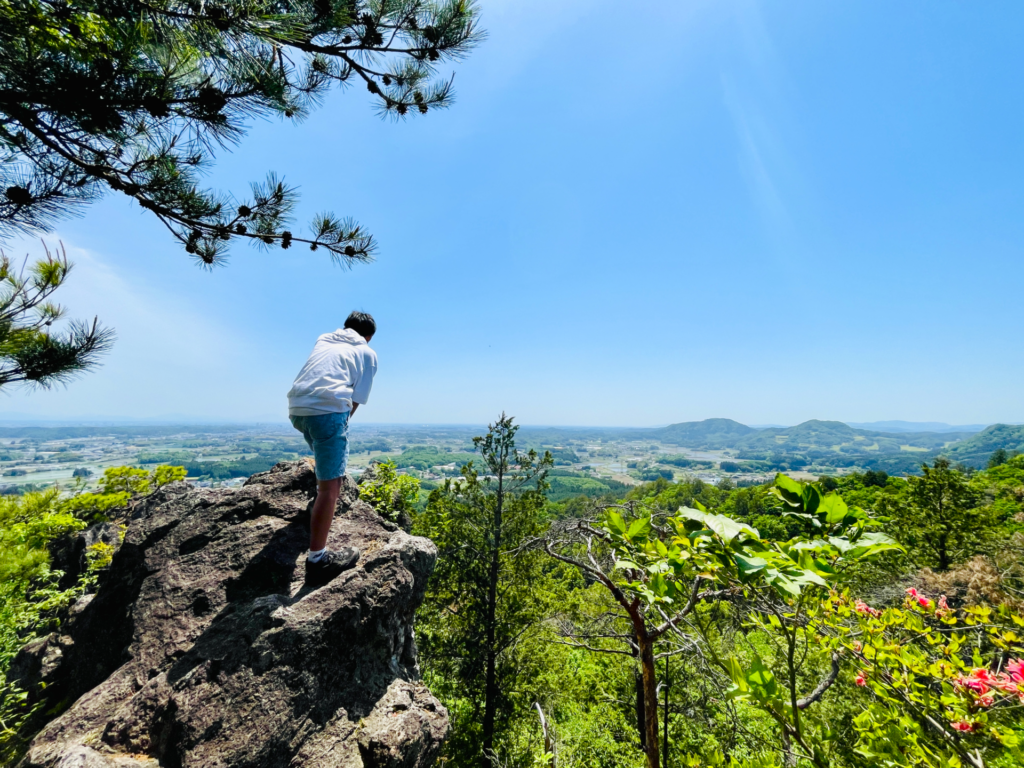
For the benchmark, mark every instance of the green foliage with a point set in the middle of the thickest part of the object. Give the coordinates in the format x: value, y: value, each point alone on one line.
x: 27, y: 525
x: 765, y: 663
x: 999, y: 456
x: 665, y: 496
x: 672, y: 570
x: 117, y: 487
x: 977, y: 449
x: 563, y: 485
x: 136, y: 97
x: 486, y: 592
x: 684, y: 462
x: 701, y: 545
x: 650, y: 474
x: 940, y: 516
x: 1004, y: 485
x: 31, y: 604
x: 392, y: 495
x: 425, y: 457
x: 942, y: 687
x: 30, y: 349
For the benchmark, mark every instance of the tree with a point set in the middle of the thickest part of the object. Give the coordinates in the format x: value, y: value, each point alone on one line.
x: 665, y: 573
x: 939, y: 517
x: 136, y: 96
x: 29, y: 350
x: 999, y: 456
x: 487, y: 590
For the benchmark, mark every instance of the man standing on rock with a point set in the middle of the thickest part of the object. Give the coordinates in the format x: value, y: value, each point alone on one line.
x: 333, y: 383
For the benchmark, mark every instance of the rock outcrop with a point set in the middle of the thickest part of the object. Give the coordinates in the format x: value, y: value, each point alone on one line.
x: 203, y: 647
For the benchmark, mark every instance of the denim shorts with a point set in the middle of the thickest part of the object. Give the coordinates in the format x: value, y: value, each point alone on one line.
x: 327, y: 435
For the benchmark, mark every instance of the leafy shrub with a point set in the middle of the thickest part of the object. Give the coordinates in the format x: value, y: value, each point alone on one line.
x: 388, y: 492
x: 31, y: 604
x: 117, y: 486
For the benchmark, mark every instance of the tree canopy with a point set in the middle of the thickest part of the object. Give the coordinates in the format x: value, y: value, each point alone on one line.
x: 29, y: 350
x: 138, y: 97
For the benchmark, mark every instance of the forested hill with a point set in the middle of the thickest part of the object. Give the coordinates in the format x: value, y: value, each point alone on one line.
x: 838, y: 444
x: 710, y: 433
x: 975, y: 450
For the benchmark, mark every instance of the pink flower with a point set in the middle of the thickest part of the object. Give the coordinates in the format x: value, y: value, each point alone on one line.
x: 1015, y: 668
x: 912, y: 592
x: 943, y: 605
x: 866, y: 610
x: 985, y: 701
x: 978, y: 681
x: 960, y: 725
x: 975, y: 685
x: 1005, y: 684
x: 857, y: 646
x: 860, y: 680
x: 924, y: 602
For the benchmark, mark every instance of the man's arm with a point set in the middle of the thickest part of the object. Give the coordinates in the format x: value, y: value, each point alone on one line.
x: 361, y: 390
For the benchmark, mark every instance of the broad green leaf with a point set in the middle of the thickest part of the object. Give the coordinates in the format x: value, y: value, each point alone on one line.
x: 736, y: 673
x: 788, y: 490
x: 639, y: 528
x: 659, y: 586
x: 811, y: 497
x: 869, y: 545
x: 762, y: 677
x: 782, y: 583
x: 727, y: 528
x: 834, y: 507
x: 807, y: 576
x: 748, y: 566
x: 615, y: 522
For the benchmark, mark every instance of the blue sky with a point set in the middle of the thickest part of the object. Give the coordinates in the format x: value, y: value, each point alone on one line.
x: 765, y: 211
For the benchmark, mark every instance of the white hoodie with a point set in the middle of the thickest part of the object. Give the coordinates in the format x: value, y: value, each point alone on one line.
x: 339, y: 372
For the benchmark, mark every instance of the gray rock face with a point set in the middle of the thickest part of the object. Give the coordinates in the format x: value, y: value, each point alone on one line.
x: 203, y: 647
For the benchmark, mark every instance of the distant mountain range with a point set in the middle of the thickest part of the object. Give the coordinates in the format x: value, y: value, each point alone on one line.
x: 836, y: 444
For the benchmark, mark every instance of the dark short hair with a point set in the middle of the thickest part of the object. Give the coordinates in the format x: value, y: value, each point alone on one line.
x: 362, y: 323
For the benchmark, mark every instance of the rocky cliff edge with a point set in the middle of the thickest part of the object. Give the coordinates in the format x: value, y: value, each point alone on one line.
x: 202, y: 646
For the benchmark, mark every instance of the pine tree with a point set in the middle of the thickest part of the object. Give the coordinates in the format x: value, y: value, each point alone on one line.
x: 137, y: 97
x: 30, y: 351
x: 487, y: 588
x: 940, y: 518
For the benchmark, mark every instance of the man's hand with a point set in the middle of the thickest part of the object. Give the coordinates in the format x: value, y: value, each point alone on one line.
x: 353, y: 411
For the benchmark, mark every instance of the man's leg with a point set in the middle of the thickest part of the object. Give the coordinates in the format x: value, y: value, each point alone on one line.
x: 330, y: 446
x: 327, y: 492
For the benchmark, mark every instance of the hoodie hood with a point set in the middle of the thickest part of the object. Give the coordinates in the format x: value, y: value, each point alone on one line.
x: 343, y: 336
